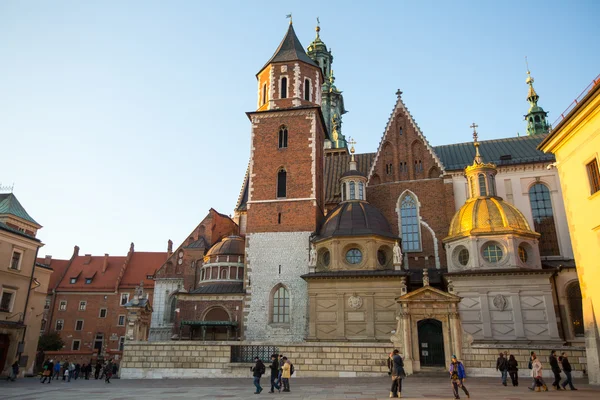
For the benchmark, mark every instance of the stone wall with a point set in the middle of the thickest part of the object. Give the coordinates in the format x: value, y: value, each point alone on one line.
x: 160, y: 329
x: 186, y: 359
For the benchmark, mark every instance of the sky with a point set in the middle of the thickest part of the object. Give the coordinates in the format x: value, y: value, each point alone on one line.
x: 124, y: 121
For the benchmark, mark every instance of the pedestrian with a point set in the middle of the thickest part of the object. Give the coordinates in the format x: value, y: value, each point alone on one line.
x: 286, y: 373
x: 48, y: 371
x: 77, y: 370
x: 66, y: 374
x: 71, y: 371
x: 502, y: 366
x: 88, y: 371
x: 553, y: 361
x: 457, y: 377
x: 513, y: 370
x: 274, y: 366
x: 536, y: 374
x: 14, y: 371
x: 566, y: 367
x: 108, y: 371
x: 397, y: 374
x: 390, y: 363
x: 65, y: 368
x: 56, y: 370
x: 115, y: 369
x: 257, y: 371
x: 97, y: 370
x: 281, y: 362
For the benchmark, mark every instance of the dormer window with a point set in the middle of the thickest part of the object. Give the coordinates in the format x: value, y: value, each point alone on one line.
x: 88, y: 281
x: 73, y: 280
x: 283, y: 88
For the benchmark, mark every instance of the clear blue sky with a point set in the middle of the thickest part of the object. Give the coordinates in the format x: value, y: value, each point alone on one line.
x: 124, y: 121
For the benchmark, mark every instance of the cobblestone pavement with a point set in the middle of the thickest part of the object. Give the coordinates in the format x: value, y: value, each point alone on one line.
x: 415, y: 387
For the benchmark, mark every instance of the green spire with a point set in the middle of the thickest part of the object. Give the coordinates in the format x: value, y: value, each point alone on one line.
x: 537, y: 122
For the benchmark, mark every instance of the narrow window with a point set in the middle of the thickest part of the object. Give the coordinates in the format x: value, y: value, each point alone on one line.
x: 79, y: 325
x: 15, y: 263
x: 6, y: 301
x: 574, y: 302
x: 492, y: 185
x: 281, y: 306
x: 124, y: 298
x: 203, y: 274
x: 264, y: 94
x: 121, y: 320
x: 281, y: 183
x: 62, y: 305
x: 352, y: 191
x: 76, y: 344
x: 283, y: 137
x: 306, y: 90
x: 59, y: 324
x: 343, y: 191
x: 279, y: 218
x: 283, y: 88
x: 543, y: 219
x: 280, y: 269
x: 409, y: 220
x: 361, y: 191
x: 482, y: 189
x: 224, y: 274
x: 121, y: 343
x: 82, y: 305
x: 472, y: 186
x: 593, y: 176
x: 102, y: 313
x: 400, y: 131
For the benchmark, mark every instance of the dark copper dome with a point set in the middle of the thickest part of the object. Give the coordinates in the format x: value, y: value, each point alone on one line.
x: 229, y: 246
x: 355, y: 218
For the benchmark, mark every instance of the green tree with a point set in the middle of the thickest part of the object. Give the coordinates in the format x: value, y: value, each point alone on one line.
x: 50, y: 342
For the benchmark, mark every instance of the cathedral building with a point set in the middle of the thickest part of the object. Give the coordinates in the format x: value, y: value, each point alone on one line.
x: 434, y: 249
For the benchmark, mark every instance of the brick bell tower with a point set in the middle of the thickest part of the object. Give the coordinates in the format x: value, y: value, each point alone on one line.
x: 285, y: 197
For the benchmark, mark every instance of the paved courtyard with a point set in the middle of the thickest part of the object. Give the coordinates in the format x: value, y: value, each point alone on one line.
x: 416, y: 387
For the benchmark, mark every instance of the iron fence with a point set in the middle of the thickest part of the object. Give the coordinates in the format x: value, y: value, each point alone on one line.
x: 246, y: 354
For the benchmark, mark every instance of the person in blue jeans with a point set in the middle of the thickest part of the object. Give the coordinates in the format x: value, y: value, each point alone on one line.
x: 257, y: 371
x: 502, y: 366
x: 274, y: 374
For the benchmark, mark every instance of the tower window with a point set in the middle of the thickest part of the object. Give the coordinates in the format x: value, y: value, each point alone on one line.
x: 352, y: 191
x: 281, y: 183
x: 343, y: 191
x: 283, y: 88
x: 281, y: 306
x: 400, y: 132
x: 409, y: 220
x: 482, y: 188
x: 537, y: 118
x: 283, y: 136
x: 306, y: 90
x: 264, y: 94
x: 418, y: 166
x: 543, y: 219
x: 389, y: 168
x: 361, y: 191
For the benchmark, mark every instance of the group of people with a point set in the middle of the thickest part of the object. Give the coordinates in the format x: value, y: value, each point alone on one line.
x: 507, y: 364
x: 281, y: 372
x: 54, y: 370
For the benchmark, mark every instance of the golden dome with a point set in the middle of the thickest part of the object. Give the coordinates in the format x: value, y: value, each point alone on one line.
x: 488, y: 215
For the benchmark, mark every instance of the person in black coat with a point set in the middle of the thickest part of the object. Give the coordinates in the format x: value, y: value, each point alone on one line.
x: 513, y: 370
x: 257, y: 371
x: 555, y: 369
x: 274, y: 366
x: 566, y: 367
x: 397, y: 374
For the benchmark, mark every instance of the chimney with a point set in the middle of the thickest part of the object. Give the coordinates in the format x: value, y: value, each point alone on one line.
x: 105, y: 265
x: 75, y: 251
x: 47, y: 260
x: 131, y: 248
x: 88, y: 259
x: 170, y: 247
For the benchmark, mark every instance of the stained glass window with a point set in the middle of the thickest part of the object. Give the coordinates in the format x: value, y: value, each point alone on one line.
x: 409, y: 216
x: 543, y: 219
x: 354, y: 256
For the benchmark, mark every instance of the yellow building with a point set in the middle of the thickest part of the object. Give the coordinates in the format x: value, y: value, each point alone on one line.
x: 575, y: 141
x: 23, y: 286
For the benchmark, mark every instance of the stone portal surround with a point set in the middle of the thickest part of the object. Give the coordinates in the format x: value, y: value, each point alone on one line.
x: 190, y: 359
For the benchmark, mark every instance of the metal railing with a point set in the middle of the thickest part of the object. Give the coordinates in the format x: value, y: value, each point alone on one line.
x: 576, y: 101
x: 246, y: 354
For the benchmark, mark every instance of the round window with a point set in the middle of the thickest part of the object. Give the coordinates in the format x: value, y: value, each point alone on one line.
x: 354, y: 256
x: 492, y: 253
x: 523, y: 253
x: 381, y: 257
x: 326, y: 258
x: 463, y: 257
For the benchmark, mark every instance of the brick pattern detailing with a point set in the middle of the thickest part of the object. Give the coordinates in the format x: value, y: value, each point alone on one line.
x: 265, y: 253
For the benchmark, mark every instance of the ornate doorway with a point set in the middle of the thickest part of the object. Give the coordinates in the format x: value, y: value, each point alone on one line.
x: 431, y: 343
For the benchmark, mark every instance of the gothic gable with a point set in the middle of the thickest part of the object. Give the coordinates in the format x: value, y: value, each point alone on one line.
x: 404, y: 153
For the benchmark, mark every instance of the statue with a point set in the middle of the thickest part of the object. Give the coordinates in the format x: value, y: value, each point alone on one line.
x: 335, y: 125
x: 139, y: 291
x: 312, y: 257
x: 397, y: 254
x: 425, y: 277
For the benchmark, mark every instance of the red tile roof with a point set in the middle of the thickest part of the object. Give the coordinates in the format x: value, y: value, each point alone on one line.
x: 91, y: 267
x: 140, y: 266
x: 58, y: 267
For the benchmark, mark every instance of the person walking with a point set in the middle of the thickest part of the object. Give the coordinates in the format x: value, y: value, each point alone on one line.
x: 77, y: 370
x: 457, y: 377
x: 66, y: 375
x: 14, y: 371
x: 274, y: 366
x: 513, y: 370
x: 502, y: 366
x: 566, y: 367
x: 286, y: 373
x: 257, y: 371
x: 48, y: 371
x: 281, y: 362
x: 553, y: 361
x: 536, y: 374
x: 56, y: 367
x: 397, y: 374
x: 97, y: 370
x: 108, y: 371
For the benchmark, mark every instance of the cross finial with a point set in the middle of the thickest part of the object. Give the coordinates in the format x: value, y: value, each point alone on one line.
x: 474, y: 126
x: 318, y: 28
x: 290, y: 17
x: 399, y: 93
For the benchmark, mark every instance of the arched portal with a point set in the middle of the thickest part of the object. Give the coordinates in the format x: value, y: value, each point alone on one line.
x: 431, y: 343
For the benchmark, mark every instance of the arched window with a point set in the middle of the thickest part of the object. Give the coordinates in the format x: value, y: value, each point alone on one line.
x: 575, y: 308
x: 172, y: 308
x: 400, y: 131
x: 281, y: 183
x: 283, y: 136
x: 281, y: 306
x: 264, y: 94
x: 409, y: 219
x: 537, y: 118
x: 482, y: 189
x: 283, y: 90
x: 361, y: 194
x: 306, y: 90
x: 224, y: 273
x: 343, y: 191
x: 352, y: 191
x: 543, y: 219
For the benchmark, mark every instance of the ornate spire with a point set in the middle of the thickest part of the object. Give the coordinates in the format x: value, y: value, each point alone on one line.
x: 480, y: 175
x: 352, y: 142
x: 478, y: 159
x: 536, y: 116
